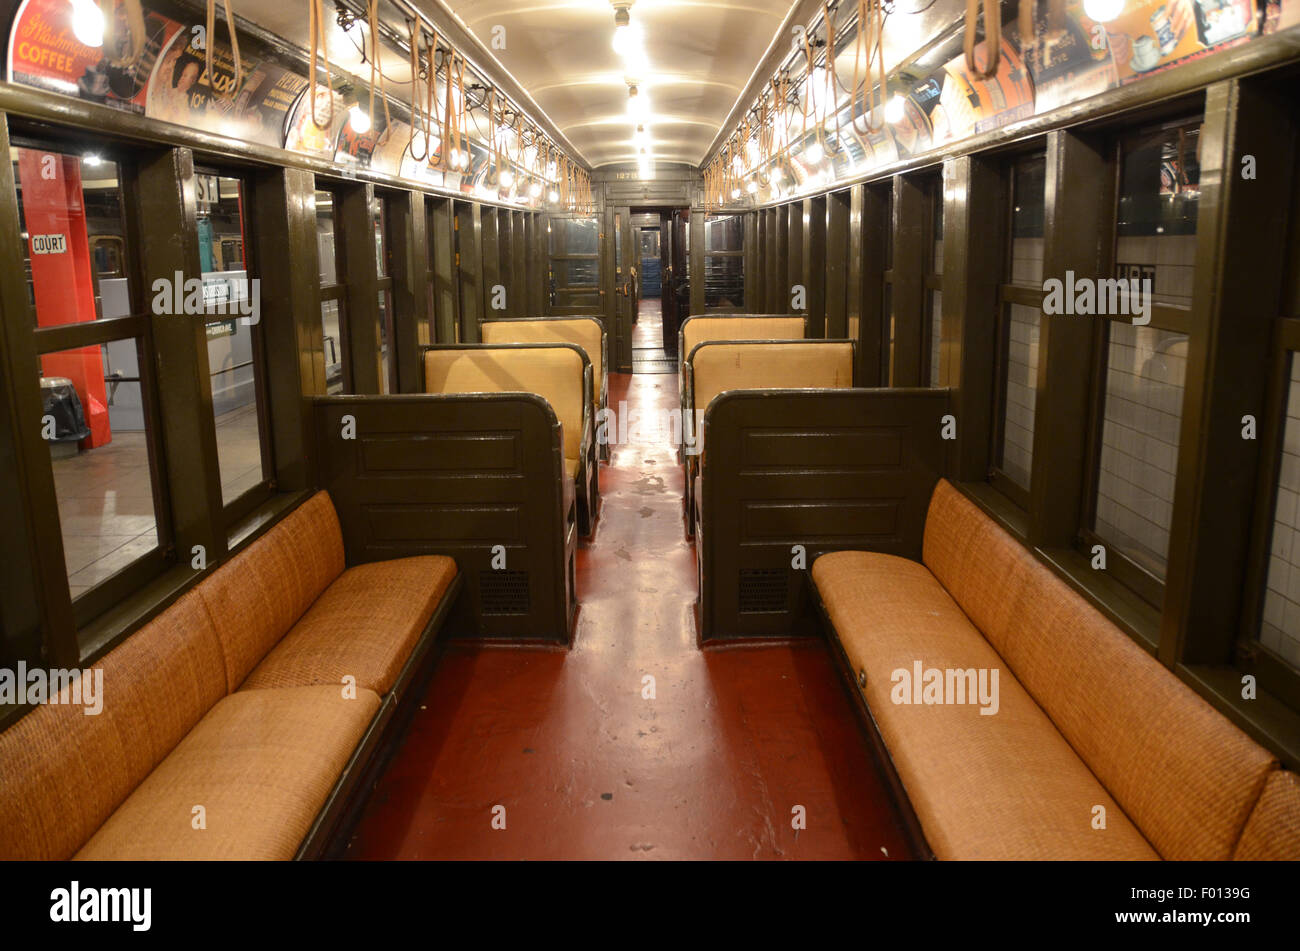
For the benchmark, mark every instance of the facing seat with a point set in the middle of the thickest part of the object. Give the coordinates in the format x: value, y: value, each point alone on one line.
x: 587, y: 333
x: 560, y: 373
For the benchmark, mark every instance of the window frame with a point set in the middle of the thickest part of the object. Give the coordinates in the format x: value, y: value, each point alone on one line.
x: 136, y: 325
x: 1250, y: 654
x: 1166, y: 317
x: 1010, y: 293
x: 337, y: 291
x: 737, y: 254
x: 248, y: 501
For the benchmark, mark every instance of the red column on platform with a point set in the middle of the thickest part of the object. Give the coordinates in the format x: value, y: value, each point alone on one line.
x: 62, y: 281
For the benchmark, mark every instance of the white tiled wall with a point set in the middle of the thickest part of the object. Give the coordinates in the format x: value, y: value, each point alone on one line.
x: 1280, y: 629
x: 1173, y: 257
x: 1027, y: 261
x: 1022, y: 388
x: 1143, y: 411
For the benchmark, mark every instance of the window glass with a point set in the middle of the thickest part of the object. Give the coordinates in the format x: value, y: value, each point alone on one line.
x: 70, y: 209
x: 1021, y: 393
x: 95, y: 421
x: 333, y: 315
x: 1145, y: 370
x: 379, y: 214
x: 724, y: 281
x: 385, y: 324
x: 1155, y: 241
x: 724, y: 233
x: 1022, y: 323
x: 574, y: 236
x: 724, y: 262
x: 935, y: 302
x: 325, y: 239
x: 1160, y: 176
x: 234, y: 315
x: 579, y: 273
x: 936, y: 335
x: 1280, y: 625
x: 1028, y: 203
x: 331, y: 320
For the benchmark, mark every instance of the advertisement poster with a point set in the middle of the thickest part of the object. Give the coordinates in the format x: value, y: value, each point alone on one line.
x: 375, y: 149
x: 1152, y: 35
x: 44, y: 52
x: 181, y: 91
x: 301, y: 133
x: 969, y: 106
x: 1068, y: 63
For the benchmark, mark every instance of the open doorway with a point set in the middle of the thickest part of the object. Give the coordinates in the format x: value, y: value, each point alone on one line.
x: 662, y: 302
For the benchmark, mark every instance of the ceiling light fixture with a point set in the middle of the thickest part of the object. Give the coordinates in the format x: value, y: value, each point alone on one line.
x: 814, y: 153
x: 507, y: 178
x: 552, y: 195
x: 638, y: 104
x: 624, y: 35
x: 1103, y: 11
x: 359, y: 120
x: 534, y: 190
x: 752, y: 187
x: 88, y: 23
x: 894, y: 110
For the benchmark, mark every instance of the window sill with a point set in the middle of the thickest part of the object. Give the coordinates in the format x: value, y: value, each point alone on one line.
x: 1267, y: 720
x: 998, y: 507
x: 1117, y: 602
x: 109, y: 629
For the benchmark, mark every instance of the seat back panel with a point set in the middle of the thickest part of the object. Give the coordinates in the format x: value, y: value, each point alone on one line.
x: 553, y: 372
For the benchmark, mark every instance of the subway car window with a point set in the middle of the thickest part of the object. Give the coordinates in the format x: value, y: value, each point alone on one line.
x: 1146, y: 363
x: 384, y: 268
x: 1279, y: 627
x: 233, y: 306
x: 933, y: 283
x: 75, y: 198
x: 724, y: 262
x: 333, y: 291
x: 651, y: 430
x: 1022, y: 321
x: 94, y: 397
x: 103, y: 458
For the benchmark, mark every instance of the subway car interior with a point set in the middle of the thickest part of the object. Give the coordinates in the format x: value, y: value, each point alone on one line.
x: 650, y: 430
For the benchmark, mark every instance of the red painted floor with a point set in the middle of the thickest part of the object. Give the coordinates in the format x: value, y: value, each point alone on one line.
x: 587, y: 766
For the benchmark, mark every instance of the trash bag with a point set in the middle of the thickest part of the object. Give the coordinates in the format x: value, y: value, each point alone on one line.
x: 59, y: 400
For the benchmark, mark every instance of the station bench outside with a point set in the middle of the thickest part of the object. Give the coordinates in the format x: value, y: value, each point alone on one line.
x: 242, y: 721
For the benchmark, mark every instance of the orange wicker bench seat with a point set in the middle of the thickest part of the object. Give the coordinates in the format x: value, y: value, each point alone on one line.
x: 1023, y: 724
x: 231, y: 721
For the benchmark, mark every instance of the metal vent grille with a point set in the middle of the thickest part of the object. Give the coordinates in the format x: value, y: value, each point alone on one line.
x: 764, y: 590
x: 504, y: 592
